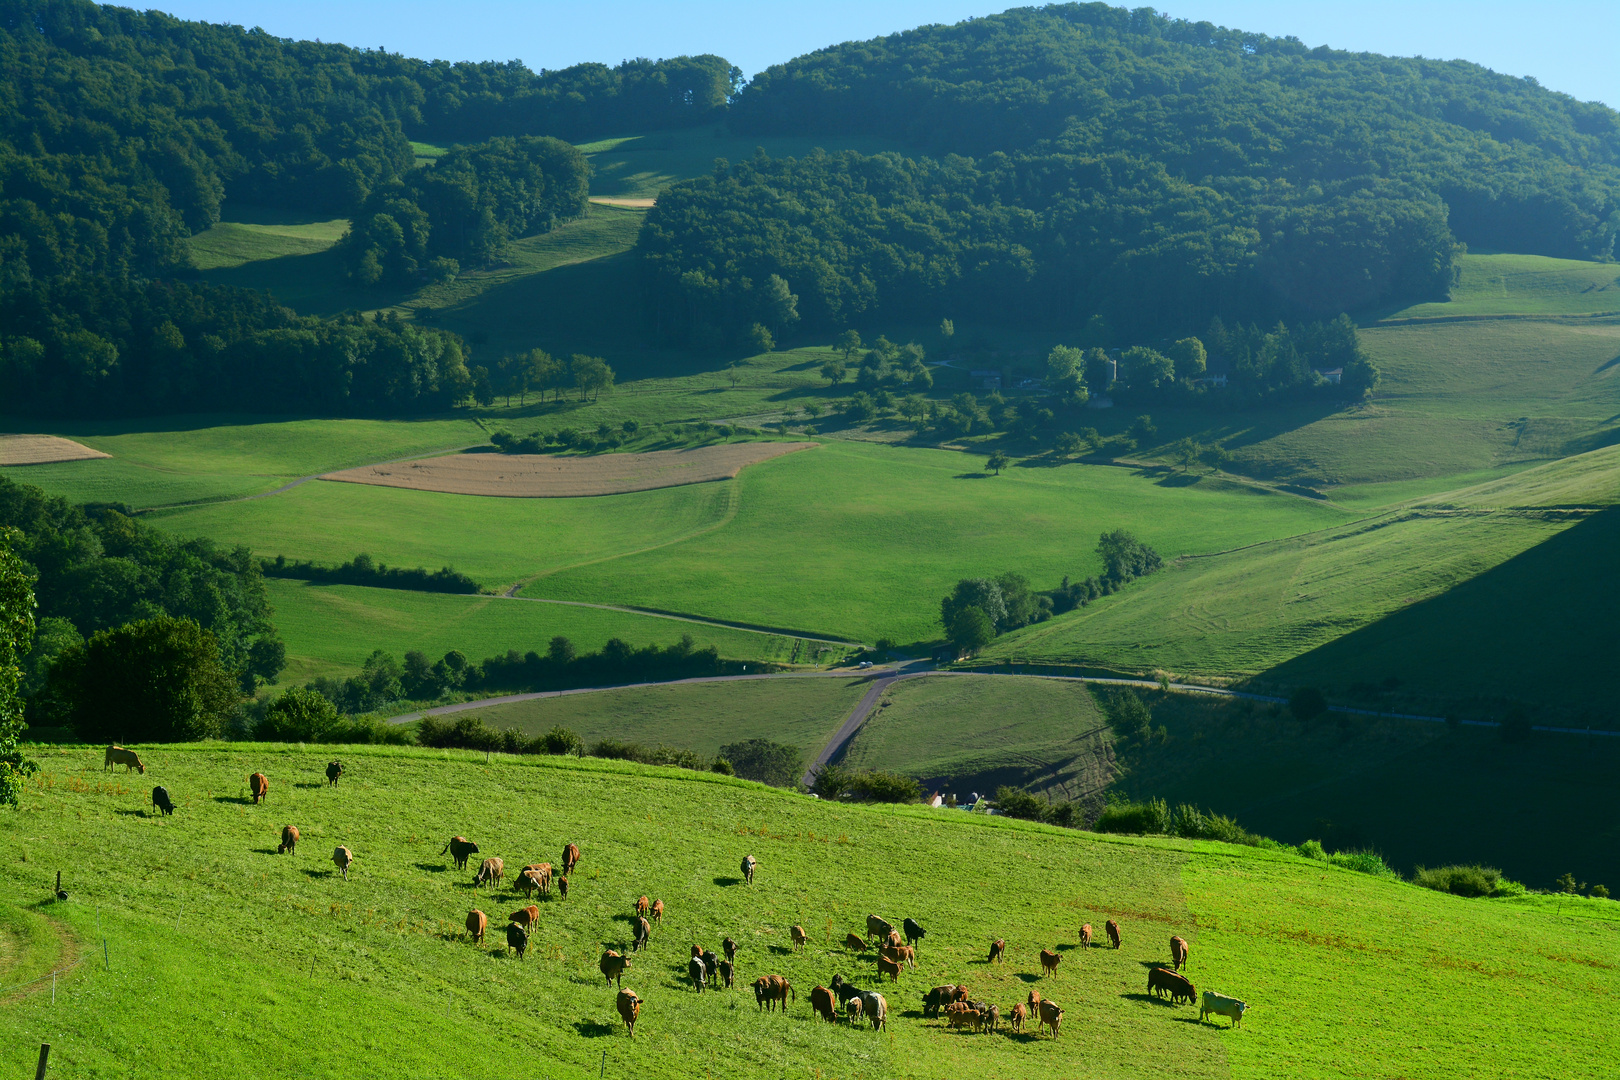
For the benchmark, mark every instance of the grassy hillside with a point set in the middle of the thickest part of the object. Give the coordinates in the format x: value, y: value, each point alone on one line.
x: 1463, y: 598
x: 801, y: 711
x: 1501, y: 283
x: 327, y: 975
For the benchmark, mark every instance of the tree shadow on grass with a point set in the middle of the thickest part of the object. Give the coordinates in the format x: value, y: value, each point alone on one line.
x: 593, y: 1029
x: 307, y: 786
x: 307, y: 872
x: 131, y: 813
x: 726, y: 882
x: 1029, y: 976
x: 431, y: 868
x: 1066, y: 948
x: 1156, y: 964
x: 780, y: 950
x: 1021, y: 1037
x: 239, y: 800
x: 266, y: 851
x: 973, y: 476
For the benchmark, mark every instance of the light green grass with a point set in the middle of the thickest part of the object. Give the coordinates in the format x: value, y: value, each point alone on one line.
x: 254, y: 235
x: 802, y: 711
x: 328, y: 977
x: 331, y: 629
x: 965, y: 733
x: 1503, y: 284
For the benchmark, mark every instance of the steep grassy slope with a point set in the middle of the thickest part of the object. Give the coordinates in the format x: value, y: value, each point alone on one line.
x: 274, y: 965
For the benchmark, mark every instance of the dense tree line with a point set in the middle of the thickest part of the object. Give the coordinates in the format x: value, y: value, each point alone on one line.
x: 97, y: 569
x: 16, y: 639
x: 1306, y: 130
x: 1049, y: 238
x: 364, y: 570
x: 98, y: 346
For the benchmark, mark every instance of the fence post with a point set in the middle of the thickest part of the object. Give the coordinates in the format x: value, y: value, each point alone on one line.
x: 44, y: 1059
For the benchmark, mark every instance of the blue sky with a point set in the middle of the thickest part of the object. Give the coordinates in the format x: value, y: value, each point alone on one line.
x: 1570, y: 46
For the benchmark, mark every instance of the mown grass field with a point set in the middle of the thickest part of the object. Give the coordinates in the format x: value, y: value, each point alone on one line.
x: 1503, y: 283
x: 802, y: 711
x: 254, y: 234
x: 1347, y: 975
x: 331, y: 629
x: 1465, y: 598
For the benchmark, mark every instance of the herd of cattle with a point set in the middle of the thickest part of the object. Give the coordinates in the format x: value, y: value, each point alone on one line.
x: 706, y: 970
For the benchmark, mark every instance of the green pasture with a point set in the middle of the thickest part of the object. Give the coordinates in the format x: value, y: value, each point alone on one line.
x: 1465, y: 599
x: 255, y: 234
x: 802, y: 711
x: 331, y: 629
x: 1505, y: 284
x: 1347, y: 975
x: 963, y: 733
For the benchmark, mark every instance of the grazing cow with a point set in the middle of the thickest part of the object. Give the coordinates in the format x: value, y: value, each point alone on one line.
x: 516, y: 938
x: 965, y: 1017
x: 1214, y: 1004
x: 491, y: 870
x: 1050, y: 961
x: 643, y: 936
x: 545, y: 876
x: 289, y: 840
x: 992, y: 1017
x: 460, y: 849
x: 629, y: 1009
x: 900, y: 954
x: 1165, y: 980
x: 1113, y: 932
x: 160, y: 799
x: 570, y: 858
x: 129, y: 759
x: 939, y: 998
x: 821, y: 1002
x: 748, y: 864
x: 334, y: 769
x: 844, y: 990
x: 769, y: 989
x: 1051, y: 1016
x: 728, y: 973
x: 914, y: 933
x: 711, y: 965
x: 1178, y: 951
x: 1017, y: 1016
x: 697, y: 973
x: 998, y: 949
x: 658, y: 911
x: 800, y: 938
x: 529, y: 882
x: 892, y: 941
x: 477, y: 923
x: 729, y: 947
x: 888, y: 967
x: 259, y: 786
x: 612, y: 966
x: 1085, y: 936
x: 525, y: 917
x: 562, y: 887
x: 1034, y: 1002
x: 641, y: 905
x: 343, y: 858
x: 877, y: 928
x: 875, y: 1008
x: 854, y: 943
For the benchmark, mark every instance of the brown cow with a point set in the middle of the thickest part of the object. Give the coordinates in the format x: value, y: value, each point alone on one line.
x: 334, y: 769
x: 893, y: 939
x: 940, y: 998
x: 1113, y: 932
x: 877, y: 928
x: 748, y: 864
x: 643, y: 936
x: 854, y: 943
x: 1016, y: 1017
x: 800, y: 938
x: 729, y: 947
x: 117, y: 755
x: 769, y: 989
x: 259, y: 786
x: 1050, y: 961
x: 658, y: 911
x: 821, y: 1000
x: 612, y: 966
x: 697, y: 951
x: 1177, y: 986
x: 992, y: 1018
x: 629, y: 1009
x: 641, y: 906
x: 570, y: 858
x: 460, y: 848
x: 1085, y: 936
x: 964, y: 1017
x: 289, y: 840
x: 525, y: 917
x: 342, y: 857
x: 490, y: 870
x: 1051, y: 1016
x: 888, y: 967
x: 1034, y: 1002
x: 562, y: 887
x: 528, y: 882
x: 998, y: 948
x: 1178, y: 951
x: 477, y: 923
x: 542, y: 875
x: 900, y: 954
x: 728, y: 973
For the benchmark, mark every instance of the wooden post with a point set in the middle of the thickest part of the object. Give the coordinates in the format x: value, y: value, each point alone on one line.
x: 44, y: 1059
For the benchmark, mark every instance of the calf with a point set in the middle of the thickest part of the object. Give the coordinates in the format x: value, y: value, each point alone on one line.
x: 129, y: 759
x: 800, y: 938
x: 629, y: 1009
x: 1034, y: 1002
x: 729, y: 947
x: 641, y: 905
x: 821, y: 1000
x: 728, y: 973
x: 259, y: 786
x: 343, y: 858
x: 1085, y: 936
x: 697, y: 973
x: 289, y: 840
x: 892, y: 939
x: 460, y: 848
x: 658, y: 911
x: 711, y: 965
x: 562, y: 888
x: 992, y: 1017
x: 1050, y: 961
x: 875, y: 1008
x: 525, y: 917
x: 1016, y: 1017
x: 529, y: 882
x: 491, y: 870
x: 854, y: 943
x: 877, y: 928
x: 1178, y: 951
x: 914, y: 933
x: 545, y: 877
x: 612, y: 966
x: 477, y: 923
x: 516, y: 938
x: 1166, y: 981
x: 888, y: 967
x: 748, y: 864
x: 1213, y: 1004
x: 570, y: 858
x: 1051, y: 1016
x: 643, y: 935
x: 1113, y: 932
x: 964, y: 1017
x: 160, y: 799
x: 998, y: 948
x: 334, y: 770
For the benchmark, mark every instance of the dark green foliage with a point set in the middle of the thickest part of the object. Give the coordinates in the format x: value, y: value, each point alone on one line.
x: 1126, y: 558
x: 1307, y: 703
x: 832, y: 780
x: 361, y: 570
x: 878, y: 786
x: 1018, y: 803
x: 16, y: 639
x: 766, y: 761
x: 560, y: 740
x: 1516, y: 727
x: 722, y: 766
x: 1152, y: 816
x: 970, y: 629
x: 1284, y: 362
x: 298, y: 716
x: 153, y: 680
x: 1460, y: 880
x: 98, y: 568
x: 1128, y: 714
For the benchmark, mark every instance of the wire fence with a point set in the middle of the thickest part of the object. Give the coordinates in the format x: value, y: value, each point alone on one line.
x: 9, y: 990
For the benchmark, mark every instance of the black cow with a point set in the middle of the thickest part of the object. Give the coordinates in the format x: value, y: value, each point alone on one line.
x: 844, y: 990
x: 711, y: 965
x: 914, y: 933
x: 160, y: 799
x: 516, y: 938
x: 697, y: 973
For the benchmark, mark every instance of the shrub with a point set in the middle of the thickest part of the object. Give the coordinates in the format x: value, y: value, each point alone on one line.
x: 298, y: 716
x: 832, y: 781
x: 1601, y: 892
x: 722, y: 766
x: 1066, y: 814
x: 1194, y: 824
x: 616, y: 750
x: 1152, y: 816
x: 887, y: 787
x: 1128, y: 715
x: 1460, y: 880
x: 1312, y: 849
x: 766, y: 761
x: 559, y: 740
x: 1018, y: 803
x: 1363, y: 862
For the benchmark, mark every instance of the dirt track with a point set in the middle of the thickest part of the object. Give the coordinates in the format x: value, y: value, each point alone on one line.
x: 42, y: 450
x: 548, y: 476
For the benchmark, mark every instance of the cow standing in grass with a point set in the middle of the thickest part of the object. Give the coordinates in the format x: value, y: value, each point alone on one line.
x: 160, y: 799
x: 525, y: 917
x: 748, y: 864
x: 800, y: 938
x: 854, y: 943
x: 658, y: 911
x: 998, y: 950
x: 129, y: 759
x: 259, y: 786
x: 516, y: 938
x: 1016, y: 1017
x: 643, y: 936
x: 289, y: 840
x: 821, y: 1001
x: 1051, y: 1016
x: 1213, y: 1004
x: 460, y: 849
x: 1163, y: 980
x: 477, y: 923
x: 877, y: 928
x: 1050, y: 961
x: 334, y: 770
x: 1113, y: 932
x: 1085, y: 936
x: 914, y: 932
x: 613, y: 966
x: 490, y: 872
x: 343, y: 858
x: 1178, y: 951
x: 629, y: 1009
x: 697, y: 973
x: 570, y: 858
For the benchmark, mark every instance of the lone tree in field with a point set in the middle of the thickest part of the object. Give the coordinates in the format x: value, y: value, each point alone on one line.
x: 834, y: 371
x: 998, y: 461
x: 848, y: 343
x: 1307, y: 703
